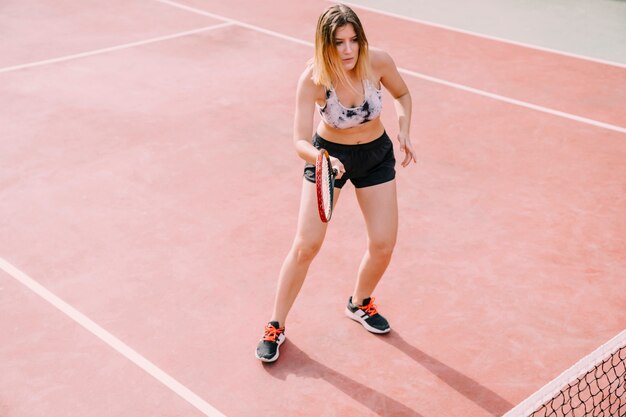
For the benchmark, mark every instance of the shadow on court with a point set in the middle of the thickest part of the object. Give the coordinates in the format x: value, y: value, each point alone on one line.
x: 298, y: 363
x: 472, y: 390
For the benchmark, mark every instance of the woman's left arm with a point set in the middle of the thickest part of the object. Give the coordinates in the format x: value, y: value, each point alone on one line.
x: 390, y: 78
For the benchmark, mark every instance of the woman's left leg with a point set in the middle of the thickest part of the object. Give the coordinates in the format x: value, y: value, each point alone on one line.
x: 379, y: 205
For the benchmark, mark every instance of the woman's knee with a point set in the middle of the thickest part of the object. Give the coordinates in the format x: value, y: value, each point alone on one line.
x: 305, y: 251
x: 381, y: 248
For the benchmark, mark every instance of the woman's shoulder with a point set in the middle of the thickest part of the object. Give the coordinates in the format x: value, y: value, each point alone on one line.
x: 307, y: 81
x: 380, y: 60
x: 307, y: 85
x: 307, y: 75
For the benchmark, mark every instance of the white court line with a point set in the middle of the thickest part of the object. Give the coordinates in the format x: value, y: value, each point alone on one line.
x: 234, y: 22
x: 520, y: 103
x: 450, y: 84
x: 122, y: 348
x: 481, y: 35
x: 113, y: 48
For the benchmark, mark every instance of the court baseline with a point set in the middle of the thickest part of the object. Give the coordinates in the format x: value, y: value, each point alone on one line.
x: 480, y: 35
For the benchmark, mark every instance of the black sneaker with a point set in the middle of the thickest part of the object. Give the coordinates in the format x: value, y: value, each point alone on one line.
x: 267, y: 349
x: 368, y: 316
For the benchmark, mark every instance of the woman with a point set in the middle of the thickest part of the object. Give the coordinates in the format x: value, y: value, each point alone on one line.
x: 342, y: 82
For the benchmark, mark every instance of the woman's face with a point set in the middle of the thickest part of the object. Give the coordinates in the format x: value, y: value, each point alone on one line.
x: 347, y: 46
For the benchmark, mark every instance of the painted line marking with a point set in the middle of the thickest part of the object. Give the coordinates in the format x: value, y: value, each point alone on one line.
x: 481, y: 35
x: 113, y: 48
x: 450, y: 84
x: 122, y: 348
x: 234, y: 22
x: 513, y: 101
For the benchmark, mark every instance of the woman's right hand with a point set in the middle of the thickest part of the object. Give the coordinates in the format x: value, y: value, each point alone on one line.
x: 336, y: 164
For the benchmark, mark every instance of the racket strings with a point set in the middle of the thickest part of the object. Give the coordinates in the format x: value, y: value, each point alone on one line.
x: 326, y: 189
x: 324, y: 184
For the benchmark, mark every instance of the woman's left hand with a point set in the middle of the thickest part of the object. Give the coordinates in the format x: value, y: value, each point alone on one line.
x: 407, y: 148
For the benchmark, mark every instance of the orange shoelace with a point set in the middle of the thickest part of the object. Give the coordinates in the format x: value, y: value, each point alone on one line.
x: 370, y: 308
x: 272, y: 333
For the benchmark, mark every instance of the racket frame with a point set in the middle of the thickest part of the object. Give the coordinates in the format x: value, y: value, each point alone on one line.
x: 319, y: 185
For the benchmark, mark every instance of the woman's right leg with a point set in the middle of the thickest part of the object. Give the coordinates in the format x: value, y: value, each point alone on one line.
x: 307, y: 243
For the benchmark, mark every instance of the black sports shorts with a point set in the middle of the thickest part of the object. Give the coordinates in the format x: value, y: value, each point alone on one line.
x: 367, y: 164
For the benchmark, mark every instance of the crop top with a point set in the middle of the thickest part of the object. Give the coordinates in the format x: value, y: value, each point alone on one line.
x: 340, y: 117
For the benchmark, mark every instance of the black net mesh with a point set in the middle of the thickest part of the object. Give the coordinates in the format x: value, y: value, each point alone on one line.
x: 598, y: 392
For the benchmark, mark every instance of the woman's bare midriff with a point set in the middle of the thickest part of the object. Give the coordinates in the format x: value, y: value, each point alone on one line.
x: 358, y: 135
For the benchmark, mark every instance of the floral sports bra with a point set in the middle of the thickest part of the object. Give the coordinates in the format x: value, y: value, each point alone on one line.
x: 340, y: 117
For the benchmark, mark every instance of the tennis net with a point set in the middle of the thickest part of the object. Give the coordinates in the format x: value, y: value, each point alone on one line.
x: 593, y: 387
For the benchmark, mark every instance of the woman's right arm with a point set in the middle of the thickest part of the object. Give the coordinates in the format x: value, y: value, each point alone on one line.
x: 306, y: 95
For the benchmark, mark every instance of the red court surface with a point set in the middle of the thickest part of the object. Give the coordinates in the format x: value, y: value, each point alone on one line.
x: 148, y: 181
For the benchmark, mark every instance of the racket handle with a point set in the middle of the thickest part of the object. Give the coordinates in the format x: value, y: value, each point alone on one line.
x: 335, y: 172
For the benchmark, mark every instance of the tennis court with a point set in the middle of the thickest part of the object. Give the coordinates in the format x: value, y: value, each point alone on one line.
x: 149, y: 193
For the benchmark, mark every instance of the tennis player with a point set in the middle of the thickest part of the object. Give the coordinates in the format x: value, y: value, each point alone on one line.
x: 343, y: 82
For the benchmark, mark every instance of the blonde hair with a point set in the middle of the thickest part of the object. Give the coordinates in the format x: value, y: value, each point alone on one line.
x: 326, y: 62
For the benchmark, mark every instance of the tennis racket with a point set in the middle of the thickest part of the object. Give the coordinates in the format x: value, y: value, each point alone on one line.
x: 325, y: 185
